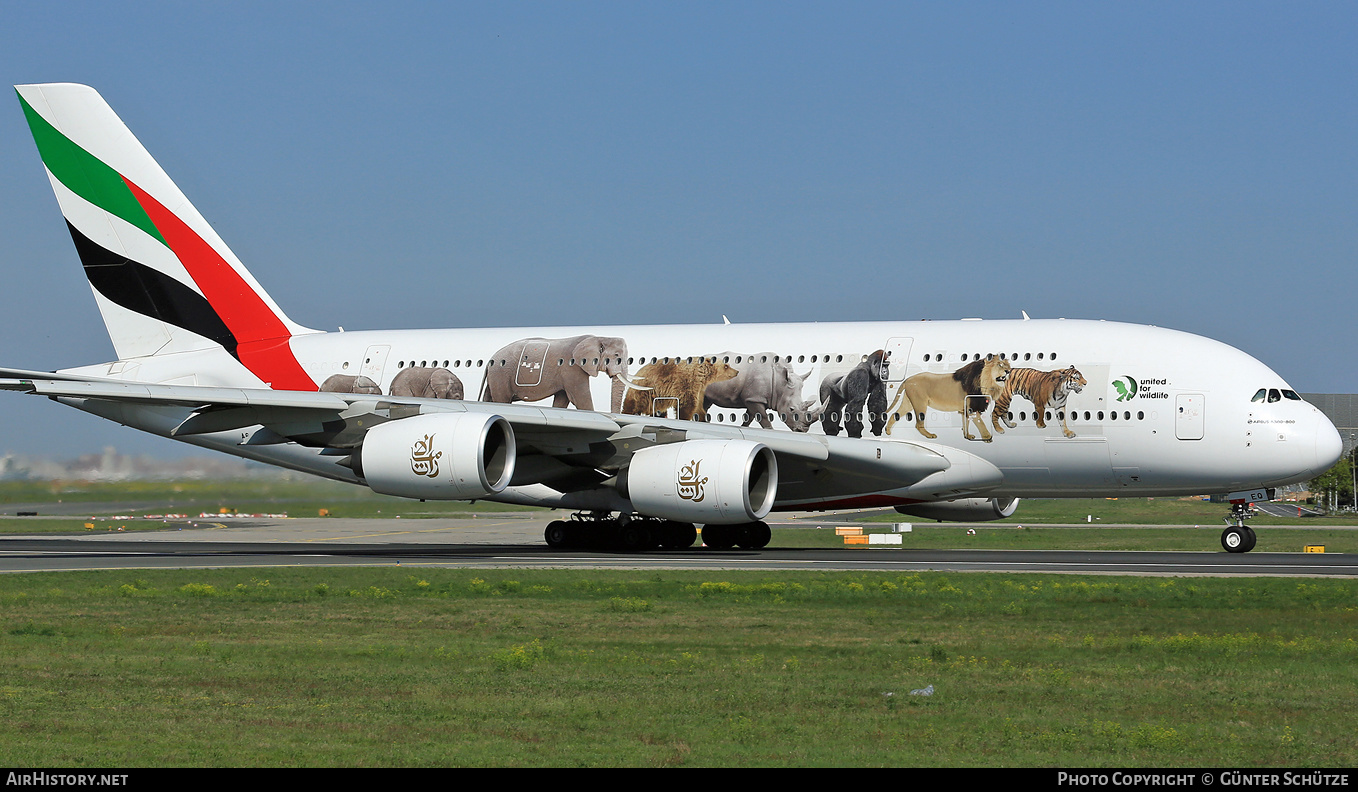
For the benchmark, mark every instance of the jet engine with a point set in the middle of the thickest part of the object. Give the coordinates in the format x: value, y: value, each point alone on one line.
x: 441, y: 456
x: 713, y: 482
x: 963, y: 509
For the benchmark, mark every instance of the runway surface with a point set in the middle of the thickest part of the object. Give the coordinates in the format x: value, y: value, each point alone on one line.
x: 515, y: 541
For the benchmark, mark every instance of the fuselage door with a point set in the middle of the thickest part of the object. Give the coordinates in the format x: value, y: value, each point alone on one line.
x: 1188, y: 416
x: 897, y: 357
x: 374, y: 360
x: 665, y: 407
x: 531, y: 363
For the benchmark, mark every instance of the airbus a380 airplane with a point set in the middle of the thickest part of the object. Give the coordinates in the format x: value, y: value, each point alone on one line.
x: 646, y: 430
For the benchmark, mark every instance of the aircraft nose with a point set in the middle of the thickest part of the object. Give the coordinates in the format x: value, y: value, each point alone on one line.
x: 1329, y: 445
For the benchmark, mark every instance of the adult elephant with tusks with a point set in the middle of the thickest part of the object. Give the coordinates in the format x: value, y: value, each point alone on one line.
x: 532, y: 369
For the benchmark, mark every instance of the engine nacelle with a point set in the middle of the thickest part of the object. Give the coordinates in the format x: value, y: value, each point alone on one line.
x: 713, y: 482
x: 963, y: 509
x: 442, y: 456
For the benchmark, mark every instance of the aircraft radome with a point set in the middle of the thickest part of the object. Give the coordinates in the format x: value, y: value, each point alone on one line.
x: 645, y: 431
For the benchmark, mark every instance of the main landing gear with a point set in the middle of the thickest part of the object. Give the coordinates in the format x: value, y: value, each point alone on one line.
x: 599, y: 530
x: 747, y: 536
x: 1238, y: 538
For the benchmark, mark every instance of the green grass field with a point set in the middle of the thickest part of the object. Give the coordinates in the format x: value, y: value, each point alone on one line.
x: 387, y: 666
x: 371, y: 667
x: 298, y: 497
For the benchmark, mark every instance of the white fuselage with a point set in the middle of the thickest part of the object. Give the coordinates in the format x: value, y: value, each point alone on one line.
x: 1160, y: 412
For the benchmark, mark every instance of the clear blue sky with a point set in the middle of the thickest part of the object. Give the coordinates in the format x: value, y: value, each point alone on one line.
x: 1190, y: 165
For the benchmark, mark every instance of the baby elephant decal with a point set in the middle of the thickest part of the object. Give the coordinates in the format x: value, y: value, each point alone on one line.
x: 427, y: 383
x: 844, y: 396
x: 350, y: 383
x: 532, y: 369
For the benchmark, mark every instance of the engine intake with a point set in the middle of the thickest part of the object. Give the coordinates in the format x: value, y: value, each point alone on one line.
x: 713, y: 482
x: 963, y: 509
x: 443, y: 456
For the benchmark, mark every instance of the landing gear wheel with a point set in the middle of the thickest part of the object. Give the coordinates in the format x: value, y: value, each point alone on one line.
x: 675, y: 535
x: 558, y: 534
x: 753, y: 536
x: 719, y: 537
x: 1238, y: 539
x: 637, y: 535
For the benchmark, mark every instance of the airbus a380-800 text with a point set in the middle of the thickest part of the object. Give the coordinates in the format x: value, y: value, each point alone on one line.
x: 646, y: 431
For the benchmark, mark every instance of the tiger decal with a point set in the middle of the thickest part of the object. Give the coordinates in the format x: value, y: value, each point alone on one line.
x: 1044, y: 389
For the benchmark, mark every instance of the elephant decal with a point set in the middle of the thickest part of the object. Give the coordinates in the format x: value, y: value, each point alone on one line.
x: 427, y: 383
x: 843, y: 397
x: 532, y: 369
x: 763, y: 383
x: 350, y: 383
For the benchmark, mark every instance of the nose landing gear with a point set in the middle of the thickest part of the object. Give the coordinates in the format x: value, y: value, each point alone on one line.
x: 1238, y: 538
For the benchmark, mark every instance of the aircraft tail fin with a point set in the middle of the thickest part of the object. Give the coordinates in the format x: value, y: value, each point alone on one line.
x: 163, y: 279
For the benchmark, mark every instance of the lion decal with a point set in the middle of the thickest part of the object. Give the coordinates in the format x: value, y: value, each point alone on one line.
x: 967, y: 390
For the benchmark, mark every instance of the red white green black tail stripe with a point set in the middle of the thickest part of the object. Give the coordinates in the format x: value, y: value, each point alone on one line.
x: 163, y: 279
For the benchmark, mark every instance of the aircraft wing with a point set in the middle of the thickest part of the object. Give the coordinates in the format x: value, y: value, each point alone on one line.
x: 567, y: 449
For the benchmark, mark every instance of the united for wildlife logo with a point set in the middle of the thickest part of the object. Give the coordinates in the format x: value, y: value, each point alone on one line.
x: 1129, y: 388
x: 691, y: 483
x: 424, y: 460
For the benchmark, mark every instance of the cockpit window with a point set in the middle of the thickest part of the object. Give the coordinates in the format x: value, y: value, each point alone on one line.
x: 1274, y: 395
x: 1259, y: 397
x: 1291, y: 395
